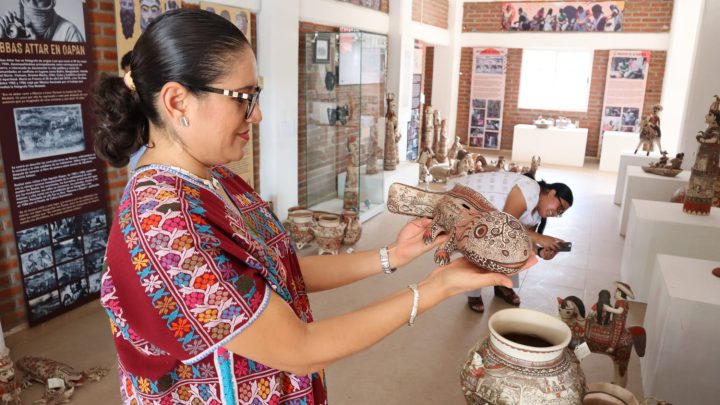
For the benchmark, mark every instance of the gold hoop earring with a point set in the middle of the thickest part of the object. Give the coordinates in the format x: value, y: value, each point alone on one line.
x: 184, y: 122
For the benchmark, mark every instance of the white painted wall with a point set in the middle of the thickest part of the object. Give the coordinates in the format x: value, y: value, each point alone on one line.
x: 446, y: 69
x: 340, y: 14
x: 704, y: 83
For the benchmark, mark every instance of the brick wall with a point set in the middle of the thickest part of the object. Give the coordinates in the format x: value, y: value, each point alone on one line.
x: 512, y: 115
x: 384, y: 4
x: 432, y: 12
x: 640, y: 16
x: 428, y: 74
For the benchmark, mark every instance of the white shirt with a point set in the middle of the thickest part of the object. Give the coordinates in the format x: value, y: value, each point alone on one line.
x: 496, y: 187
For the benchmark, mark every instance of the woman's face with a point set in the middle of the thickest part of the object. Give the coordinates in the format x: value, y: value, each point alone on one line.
x: 220, y: 130
x: 550, y: 205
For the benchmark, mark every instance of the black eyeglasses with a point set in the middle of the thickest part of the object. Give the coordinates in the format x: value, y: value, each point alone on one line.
x: 561, y: 210
x: 252, y: 98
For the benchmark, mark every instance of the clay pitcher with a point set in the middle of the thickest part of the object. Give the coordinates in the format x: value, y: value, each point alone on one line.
x: 525, y: 360
x: 299, y: 226
x: 329, y: 232
x: 353, y: 229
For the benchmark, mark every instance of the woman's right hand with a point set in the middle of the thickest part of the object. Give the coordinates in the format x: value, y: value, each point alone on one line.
x: 461, y: 275
x: 548, y: 242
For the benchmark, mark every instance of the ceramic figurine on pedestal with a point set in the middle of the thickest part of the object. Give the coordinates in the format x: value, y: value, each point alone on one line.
x: 10, y: 386
x: 374, y: 151
x: 441, y: 150
x: 605, y: 333
x: 392, y: 136
x: 329, y: 233
x: 664, y: 168
x: 491, y: 239
x: 454, y: 149
x: 436, y: 133
x: 353, y: 229
x: 524, y: 360
x: 650, y: 131
x: 426, y: 159
x: 705, y: 171
x: 427, y: 139
x: 352, y: 188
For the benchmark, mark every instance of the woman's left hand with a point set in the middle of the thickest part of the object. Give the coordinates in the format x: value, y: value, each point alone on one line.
x: 409, y: 243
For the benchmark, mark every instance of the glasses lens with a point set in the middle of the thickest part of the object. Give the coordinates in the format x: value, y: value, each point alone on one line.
x: 252, y: 102
x: 560, y: 209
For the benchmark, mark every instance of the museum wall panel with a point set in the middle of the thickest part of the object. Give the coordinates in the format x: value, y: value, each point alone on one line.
x: 639, y: 16
x: 590, y: 119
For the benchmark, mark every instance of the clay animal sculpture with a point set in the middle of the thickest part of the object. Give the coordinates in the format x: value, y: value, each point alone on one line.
x: 489, y: 238
x: 10, y: 387
x: 40, y: 369
x: 611, y: 339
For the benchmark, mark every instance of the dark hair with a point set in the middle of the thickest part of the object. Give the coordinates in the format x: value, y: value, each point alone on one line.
x: 188, y: 46
x: 125, y: 61
x: 561, y: 190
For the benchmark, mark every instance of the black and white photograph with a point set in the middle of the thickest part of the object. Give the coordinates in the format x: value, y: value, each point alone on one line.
x: 494, y: 65
x: 44, y: 305
x: 478, y: 118
x: 93, y: 220
x: 63, y: 228
x: 36, y: 260
x: 611, y: 124
x: 95, y: 241
x: 70, y: 272
x: 49, y: 131
x: 321, y: 50
x: 628, y: 67
x: 95, y: 282
x: 40, y: 283
x: 94, y: 261
x: 478, y: 103
x: 630, y: 116
x: 492, y: 125
x: 68, y: 250
x: 74, y: 291
x: 476, y: 141
x: 44, y: 20
x: 613, y: 111
x: 33, y: 238
x: 493, y: 108
x: 491, y: 140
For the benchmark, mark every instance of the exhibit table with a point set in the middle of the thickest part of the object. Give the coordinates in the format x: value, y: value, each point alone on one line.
x: 628, y: 158
x: 554, y: 146
x: 656, y: 227
x: 645, y: 186
x: 682, y: 357
x: 614, y: 143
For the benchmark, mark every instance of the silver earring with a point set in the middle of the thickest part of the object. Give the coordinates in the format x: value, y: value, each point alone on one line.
x: 184, y: 121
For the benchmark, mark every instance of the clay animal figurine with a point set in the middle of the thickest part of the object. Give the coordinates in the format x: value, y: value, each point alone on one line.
x: 10, y: 387
x: 40, y: 369
x: 426, y: 160
x: 489, y: 238
x: 454, y: 149
x: 603, y: 334
x: 463, y: 166
x: 649, y: 136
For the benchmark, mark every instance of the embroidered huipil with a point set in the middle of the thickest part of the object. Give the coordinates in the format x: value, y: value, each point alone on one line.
x: 187, y: 273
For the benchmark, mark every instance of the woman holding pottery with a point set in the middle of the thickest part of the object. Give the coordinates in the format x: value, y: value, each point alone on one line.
x: 206, y: 297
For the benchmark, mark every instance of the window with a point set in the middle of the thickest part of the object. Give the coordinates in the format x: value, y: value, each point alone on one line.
x: 555, y: 80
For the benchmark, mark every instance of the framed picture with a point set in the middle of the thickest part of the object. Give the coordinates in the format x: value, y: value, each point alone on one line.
x: 321, y: 50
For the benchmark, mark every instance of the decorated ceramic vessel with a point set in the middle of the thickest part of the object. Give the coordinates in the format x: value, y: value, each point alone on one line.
x: 299, y: 227
x: 525, y: 360
x: 329, y: 232
x: 353, y: 229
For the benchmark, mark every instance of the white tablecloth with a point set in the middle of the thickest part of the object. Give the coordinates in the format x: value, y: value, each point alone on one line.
x: 656, y: 227
x: 554, y: 146
x: 682, y: 321
x: 645, y: 186
x: 629, y: 159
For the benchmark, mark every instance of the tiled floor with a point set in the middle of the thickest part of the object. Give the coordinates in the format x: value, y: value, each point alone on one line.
x: 418, y: 365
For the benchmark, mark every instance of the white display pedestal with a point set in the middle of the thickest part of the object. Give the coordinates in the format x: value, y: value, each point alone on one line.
x: 682, y: 360
x: 554, y: 146
x: 627, y: 158
x: 645, y: 186
x: 614, y: 143
x: 656, y: 227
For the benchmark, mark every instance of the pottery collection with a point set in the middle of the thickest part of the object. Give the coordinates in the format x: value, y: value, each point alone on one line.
x: 329, y: 230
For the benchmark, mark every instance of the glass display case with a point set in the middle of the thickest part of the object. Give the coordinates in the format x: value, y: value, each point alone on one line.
x: 344, y: 125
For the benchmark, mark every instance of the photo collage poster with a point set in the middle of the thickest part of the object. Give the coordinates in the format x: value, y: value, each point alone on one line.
x: 624, y: 91
x: 55, y: 182
x: 487, y: 95
x: 554, y: 16
x: 240, y: 18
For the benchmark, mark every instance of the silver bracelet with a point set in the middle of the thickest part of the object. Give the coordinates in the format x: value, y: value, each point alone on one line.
x: 416, y: 303
x: 385, y: 261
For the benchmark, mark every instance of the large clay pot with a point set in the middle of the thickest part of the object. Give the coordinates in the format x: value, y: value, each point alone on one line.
x: 329, y: 232
x: 525, y: 360
x: 299, y: 226
x: 353, y: 229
